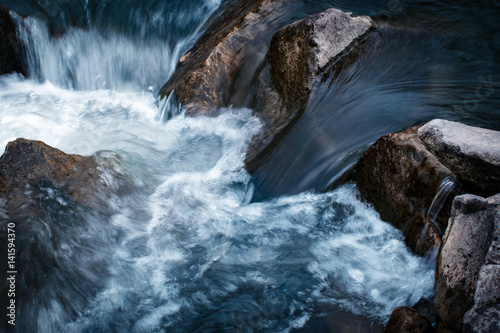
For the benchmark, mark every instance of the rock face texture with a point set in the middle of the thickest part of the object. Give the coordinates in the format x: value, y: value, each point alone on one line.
x: 298, y: 54
x: 10, y: 46
x: 224, y: 61
x: 402, y: 180
x: 472, y: 153
x: 407, y: 320
x: 27, y: 161
x: 467, y: 279
x: 27, y: 164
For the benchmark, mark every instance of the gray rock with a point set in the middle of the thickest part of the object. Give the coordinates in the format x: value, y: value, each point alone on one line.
x: 461, y: 264
x: 472, y: 153
x: 298, y: 54
x: 402, y: 180
x: 484, y: 316
x: 302, y: 49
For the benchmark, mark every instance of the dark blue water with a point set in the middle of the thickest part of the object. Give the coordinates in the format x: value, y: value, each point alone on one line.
x: 430, y: 59
x: 183, y: 239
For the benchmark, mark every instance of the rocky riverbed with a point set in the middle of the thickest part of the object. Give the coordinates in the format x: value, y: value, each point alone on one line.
x: 252, y: 75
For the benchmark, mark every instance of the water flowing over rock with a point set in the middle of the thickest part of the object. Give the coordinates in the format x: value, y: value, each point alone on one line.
x: 407, y: 320
x: 467, y: 279
x: 402, y: 179
x: 10, y: 46
x: 224, y: 60
x: 298, y: 54
x: 228, y: 65
x: 472, y: 153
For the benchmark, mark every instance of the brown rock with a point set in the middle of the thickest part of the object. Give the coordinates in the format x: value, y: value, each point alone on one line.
x: 484, y: 316
x: 472, y: 153
x: 403, y: 181
x: 407, y: 320
x: 10, y: 46
x: 421, y: 235
x: 298, y: 54
x: 223, y: 62
x: 28, y: 162
x: 463, y: 261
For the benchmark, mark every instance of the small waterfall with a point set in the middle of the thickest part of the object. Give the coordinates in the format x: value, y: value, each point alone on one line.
x: 106, y: 58
x: 430, y: 218
x: 169, y: 107
x: 437, y: 203
x: 89, y: 60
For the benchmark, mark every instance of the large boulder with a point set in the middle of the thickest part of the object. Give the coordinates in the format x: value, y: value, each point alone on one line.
x: 407, y: 320
x: 10, y: 46
x: 467, y: 279
x: 472, y: 153
x: 408, y: 186
x: 223, y: 62
x: 298, y: 55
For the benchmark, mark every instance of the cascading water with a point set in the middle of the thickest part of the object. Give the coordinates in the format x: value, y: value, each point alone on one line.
x: 183, y: 249
x: 437, y: 203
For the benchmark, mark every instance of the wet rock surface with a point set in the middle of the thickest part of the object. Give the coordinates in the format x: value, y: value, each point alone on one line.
x: 29, y: 165
x: 298, y: 55
x: 26, y: 161
x: 407, y: 320
x: 402, y: 179
x: 223, y: 62
x: 10, y: 46
x: 467, y: 277
x: 472, y: 153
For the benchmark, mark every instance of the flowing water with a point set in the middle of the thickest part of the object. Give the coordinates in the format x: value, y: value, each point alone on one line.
x: 186, y: 240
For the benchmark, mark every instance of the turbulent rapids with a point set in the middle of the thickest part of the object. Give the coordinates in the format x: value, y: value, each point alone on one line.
x: 182, y: 243
x: 185, y: 251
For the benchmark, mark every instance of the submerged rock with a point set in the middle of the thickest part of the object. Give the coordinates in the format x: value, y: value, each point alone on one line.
x: 10, y: 46
x: 408, y: 187
x: 407, y: 320
x: 222, y: 64
x: 472, y: 153
x: 298, y: 54
x: 467, y: 279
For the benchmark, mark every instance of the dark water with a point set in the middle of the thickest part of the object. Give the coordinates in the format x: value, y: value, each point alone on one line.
x: 431, y: 59
x: 192, y: 242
